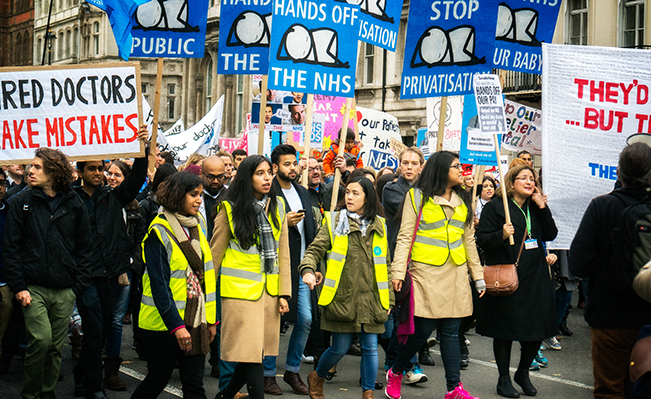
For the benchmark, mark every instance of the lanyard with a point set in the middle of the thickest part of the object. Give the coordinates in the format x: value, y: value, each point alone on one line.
x: 527, y: 217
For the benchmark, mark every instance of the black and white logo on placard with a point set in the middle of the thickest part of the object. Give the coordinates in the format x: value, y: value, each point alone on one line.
x: 440, y: 47
x: 517, y: 25
x: 250, y: 29
x: 375, y: 8
x: 164, y: 15
x: 311, y: 46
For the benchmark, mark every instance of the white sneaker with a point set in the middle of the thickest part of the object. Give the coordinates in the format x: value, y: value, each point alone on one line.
x: 308, y: 359
x: 414, y: 376
x: 553, y: 343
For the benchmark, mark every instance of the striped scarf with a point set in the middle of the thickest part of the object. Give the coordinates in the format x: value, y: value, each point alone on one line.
x: 267, y: 244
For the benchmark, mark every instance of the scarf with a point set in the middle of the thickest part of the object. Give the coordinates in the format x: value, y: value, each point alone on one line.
x: 267, y: 247
x: 195, y: 305
x: 343, y: 225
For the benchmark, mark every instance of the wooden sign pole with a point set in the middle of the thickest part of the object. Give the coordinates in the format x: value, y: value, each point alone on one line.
x: 154, y: 133
x: 308, y: 135
x: 354, y: 105
x: 342, y: 150
x: 505, y: 199
x: 263, y: 106
x: 442, y: 117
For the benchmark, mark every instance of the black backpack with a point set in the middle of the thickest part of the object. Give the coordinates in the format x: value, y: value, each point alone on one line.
x: 631, y: 238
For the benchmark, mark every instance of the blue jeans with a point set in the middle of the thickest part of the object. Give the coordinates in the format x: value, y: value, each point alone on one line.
x: 340, y: 344
x: 299, y: 335
x: 114, y: 338
x: 450, y: 348
x: 563, y: 299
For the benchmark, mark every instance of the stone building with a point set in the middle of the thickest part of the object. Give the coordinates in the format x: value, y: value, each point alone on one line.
x: 16, y: 32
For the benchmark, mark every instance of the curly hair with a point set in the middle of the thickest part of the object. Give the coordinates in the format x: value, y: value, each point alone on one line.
x: 57, y: 167
x: 171, y: 193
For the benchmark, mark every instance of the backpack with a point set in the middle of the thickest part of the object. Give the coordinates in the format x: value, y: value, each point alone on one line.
x: 631, y: 238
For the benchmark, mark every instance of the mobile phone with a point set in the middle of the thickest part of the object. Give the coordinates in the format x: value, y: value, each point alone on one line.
x: 301, y: 211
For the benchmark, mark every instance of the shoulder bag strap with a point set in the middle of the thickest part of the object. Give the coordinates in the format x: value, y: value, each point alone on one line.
x: 521, y: 246
x: 413, y: 238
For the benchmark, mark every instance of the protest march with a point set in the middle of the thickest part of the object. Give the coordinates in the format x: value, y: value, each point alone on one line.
x: 345, y: 195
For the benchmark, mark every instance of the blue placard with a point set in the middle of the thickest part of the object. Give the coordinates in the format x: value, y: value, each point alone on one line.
x: 170, y: 28
x: 522, y: 27
x: 447, y: 43
x: 380, y: 20
x: 476, y: 148
x: 314, y: 47
x: 244, y: 37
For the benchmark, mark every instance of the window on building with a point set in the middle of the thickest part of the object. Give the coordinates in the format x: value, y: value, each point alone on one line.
x: 239, y: 111
x: 96, y: 39
x: 38, y: 51
x: 369, y: 59
x: 633, y: 23
x: 18, y: 56
x: 209, y: 85
x: 577, y: 22
x: 171, y: 93
x: 75, y: 43
x: 143, y: 90
x: 60, y: 46
x: 68, y: 44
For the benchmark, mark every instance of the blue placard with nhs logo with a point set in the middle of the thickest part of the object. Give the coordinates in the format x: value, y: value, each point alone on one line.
x: 477, y: 148
x: 522, y: 28
x: 447, y: 43
x: 170, y: 28
x: 380, y: 20
x: 314, y: 47
x: 244, y: 37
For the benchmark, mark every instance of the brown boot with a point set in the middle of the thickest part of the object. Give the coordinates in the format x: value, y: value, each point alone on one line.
x: 241, y: 395
x: 271, y: 387
x: 294, y: 380
x: 367, y: 394
x: 111, y: 379
x: 315, y: 385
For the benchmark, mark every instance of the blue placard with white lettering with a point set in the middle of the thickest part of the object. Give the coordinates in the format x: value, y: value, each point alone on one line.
x: 521, y: 29
x: 244, y: 37
x: 170, y: 28
x: 380, y: 20
x: 477, y: 148
x: 314, y: 47
x: 447, y: 43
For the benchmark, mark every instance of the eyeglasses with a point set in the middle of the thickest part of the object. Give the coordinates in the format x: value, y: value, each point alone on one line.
x: 310, y: 170
x: 457, y: 166
x: 526, y: 179
x: 213, y: 177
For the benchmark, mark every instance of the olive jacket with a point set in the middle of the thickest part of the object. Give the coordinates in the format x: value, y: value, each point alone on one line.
x: 357, y: 301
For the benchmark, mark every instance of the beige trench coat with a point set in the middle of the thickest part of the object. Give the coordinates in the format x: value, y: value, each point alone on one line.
x: 250, y: 329
x: 439, y: 291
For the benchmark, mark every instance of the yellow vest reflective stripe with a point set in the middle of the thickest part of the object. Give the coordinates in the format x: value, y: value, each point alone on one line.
x: 437, y: 237
x: 242, y: 275
x: 336, y: 258
x: 149, y: 317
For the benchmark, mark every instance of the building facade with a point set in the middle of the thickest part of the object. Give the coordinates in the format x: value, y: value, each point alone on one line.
x: 16, y: 32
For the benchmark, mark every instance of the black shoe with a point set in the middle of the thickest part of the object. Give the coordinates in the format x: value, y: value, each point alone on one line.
x: 465, y: 362
x: 562, y: 328
x: 425, y: 359
x: 354, y: 350
x: 97, y: 395
x: 522, y: 379
x: 505, y: 388
x: 378, y: 385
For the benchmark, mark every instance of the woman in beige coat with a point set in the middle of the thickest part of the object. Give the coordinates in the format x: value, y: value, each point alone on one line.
x: 250, y: 250
x: 443, y: 255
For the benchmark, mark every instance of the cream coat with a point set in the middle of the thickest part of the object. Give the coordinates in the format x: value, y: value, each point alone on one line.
x: 250, y: 329
x: 439, y: 291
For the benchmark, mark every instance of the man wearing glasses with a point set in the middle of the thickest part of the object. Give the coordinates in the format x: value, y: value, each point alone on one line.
x: 213, y: 174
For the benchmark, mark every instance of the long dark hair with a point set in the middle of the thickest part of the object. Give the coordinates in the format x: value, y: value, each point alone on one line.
x: 240, y: 195
x: 434, y: 179
x: 373, y: 206
x: 481, y: 186
x: 171, y: 193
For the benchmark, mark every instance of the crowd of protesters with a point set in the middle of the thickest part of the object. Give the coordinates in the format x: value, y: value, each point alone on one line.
x: 210, y: 259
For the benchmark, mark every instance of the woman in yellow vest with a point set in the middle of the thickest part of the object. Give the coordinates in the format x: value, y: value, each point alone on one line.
x: 177, y: 310
x: 250, y: 246
x: 443, y: 256
x: 355, y: 297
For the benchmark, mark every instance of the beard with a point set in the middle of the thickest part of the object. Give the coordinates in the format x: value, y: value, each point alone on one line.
x: 285, y: 177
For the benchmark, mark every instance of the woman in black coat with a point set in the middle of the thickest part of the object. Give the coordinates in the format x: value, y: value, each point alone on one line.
x: 527, y: 316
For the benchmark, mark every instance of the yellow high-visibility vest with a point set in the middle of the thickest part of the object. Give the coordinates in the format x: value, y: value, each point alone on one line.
x: 242, y: 273
x: 149, y: 317
x: 337, y: 260
x: 437, y: 237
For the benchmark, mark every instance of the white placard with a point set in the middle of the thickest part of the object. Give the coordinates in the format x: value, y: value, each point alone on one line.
x: 490, y: 105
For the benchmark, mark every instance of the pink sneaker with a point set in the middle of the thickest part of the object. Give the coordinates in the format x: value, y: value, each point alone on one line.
x: 459, y: 393
x: 394, y: 383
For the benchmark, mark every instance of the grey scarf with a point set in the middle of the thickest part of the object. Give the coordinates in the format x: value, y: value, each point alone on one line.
x: 267, y: 244
x: 343, y: 226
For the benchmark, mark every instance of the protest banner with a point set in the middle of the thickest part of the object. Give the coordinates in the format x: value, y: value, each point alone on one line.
x: 376, y: 130
x: 245, y: 34
x: 524, y: 128
x: 447, y: 43
x: 332, y: 108
x: 148, y: 119
x: 476, y: 148
x: 453, y: 122
x: 171, y: 29
x: 521, y: 29
x: 422, y: 141
x: 317, y: 55
x: 201, y: 138
x: 120, y: 14
x: 88, y: 113
x: 231, y: 144
x: 593, y: 98
x: 379, y: 22
x: 284, y: 110
x: 490, y: 104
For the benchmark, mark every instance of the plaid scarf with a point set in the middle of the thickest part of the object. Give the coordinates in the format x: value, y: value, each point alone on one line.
x: 343, y: 226
x: 267, y: 244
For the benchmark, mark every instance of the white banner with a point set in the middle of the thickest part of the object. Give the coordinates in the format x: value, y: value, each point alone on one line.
x: 148, y: 119
x: 453, y: 118
x: 524, y: 128
x: 88, y: 113
x: 593, y: 98
x: 376, y: 129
